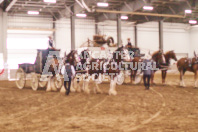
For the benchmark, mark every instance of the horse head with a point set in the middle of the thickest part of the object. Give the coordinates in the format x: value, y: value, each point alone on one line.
x: 84, y: 55
x: 158, y: 57
x: 196, y: 57
x: 73, y: 58
x: 171, y: 55
x: 121, y: 54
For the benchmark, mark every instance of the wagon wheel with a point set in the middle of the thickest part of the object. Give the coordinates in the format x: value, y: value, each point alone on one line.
x: 43, y: 82
x: 58, y: 81
x: 20, y: 78
x: 110, y: 41
x: 35, y: 82
x: 120, y: 78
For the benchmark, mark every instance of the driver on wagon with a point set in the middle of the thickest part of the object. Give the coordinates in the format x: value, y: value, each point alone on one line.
x: 129, y: 44
x: 51, y: 43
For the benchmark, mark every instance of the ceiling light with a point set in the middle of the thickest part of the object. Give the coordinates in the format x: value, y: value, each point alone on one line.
x: 188, y: 11
x: 124, y: 17
x: 50, y: 1
x: 81, y: 15
x: 102, y: 4
x: 148, y: 8
x: 1, y: 1
x: 33, y: 12
x: 193, y: 21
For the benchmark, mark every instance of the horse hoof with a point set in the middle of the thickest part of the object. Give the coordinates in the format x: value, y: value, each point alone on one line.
x: 73, y: 90
x: 87, y: 91
x: 99, y: 92
x: 78, y: 90
x: 113, y: 93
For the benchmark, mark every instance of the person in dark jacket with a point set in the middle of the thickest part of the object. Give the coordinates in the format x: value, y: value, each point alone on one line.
x: 69, y: 73
x: 147, y: 71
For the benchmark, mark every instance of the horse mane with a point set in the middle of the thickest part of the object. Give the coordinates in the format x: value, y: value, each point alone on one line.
x: 155, y: 53
x: 71, y: 53
x: 83, y: 53
x: 114, y: 53
x: 169, y: 52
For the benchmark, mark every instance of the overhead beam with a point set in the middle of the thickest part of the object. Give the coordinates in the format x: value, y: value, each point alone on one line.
x: 139, y: 13
x: 127, y: 6
x: 78, y: 8
x: 182, y: 6
x: 10, y: 5
x: 33, y: 29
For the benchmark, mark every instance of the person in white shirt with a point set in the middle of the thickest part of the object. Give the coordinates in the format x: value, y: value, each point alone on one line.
x: 69, y: 73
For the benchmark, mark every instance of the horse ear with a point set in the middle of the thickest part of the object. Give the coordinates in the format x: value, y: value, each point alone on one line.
x: 149, y: 52
x: 64, y: 54
x: 195, y: 54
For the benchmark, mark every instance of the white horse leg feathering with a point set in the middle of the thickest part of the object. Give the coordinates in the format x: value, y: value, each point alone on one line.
x: 87, y: 90
x: 112, y: 90
x: 98, y: 90
x: 196, y: 80
x: 62, y: 89
x: 51, y: 85
x: 72, y: 87
x: 182, y: 79
x: 196, y: 83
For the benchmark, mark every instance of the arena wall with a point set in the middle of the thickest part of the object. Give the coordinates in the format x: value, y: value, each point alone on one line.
x: 179, y: 37
x: 194, y: 40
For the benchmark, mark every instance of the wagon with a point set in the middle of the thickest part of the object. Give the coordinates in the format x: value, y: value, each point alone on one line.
x: 33, y: 73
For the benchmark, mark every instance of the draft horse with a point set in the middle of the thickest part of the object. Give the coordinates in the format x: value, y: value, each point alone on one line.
x: 110, y: 67
x: 188, y: 64
x: 163, y: 62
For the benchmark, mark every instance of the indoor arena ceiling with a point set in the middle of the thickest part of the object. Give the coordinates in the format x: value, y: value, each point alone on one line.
x: 62, y: 8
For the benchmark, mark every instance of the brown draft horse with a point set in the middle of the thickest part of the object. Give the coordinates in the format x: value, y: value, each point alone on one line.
x: 168, y: 56
x: 163, y: 62
x: 188, y: 64
x: 73, y: 58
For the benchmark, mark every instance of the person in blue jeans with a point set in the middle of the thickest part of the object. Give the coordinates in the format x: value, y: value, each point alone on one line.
x: 69, y: 73
x: 147, y: 71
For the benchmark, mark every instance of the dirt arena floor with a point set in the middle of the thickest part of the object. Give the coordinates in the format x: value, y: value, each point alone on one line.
x: 167, y: 108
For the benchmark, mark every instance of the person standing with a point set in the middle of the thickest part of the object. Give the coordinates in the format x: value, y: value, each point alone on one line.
x: 69, y: 73
x: 147, y: 71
